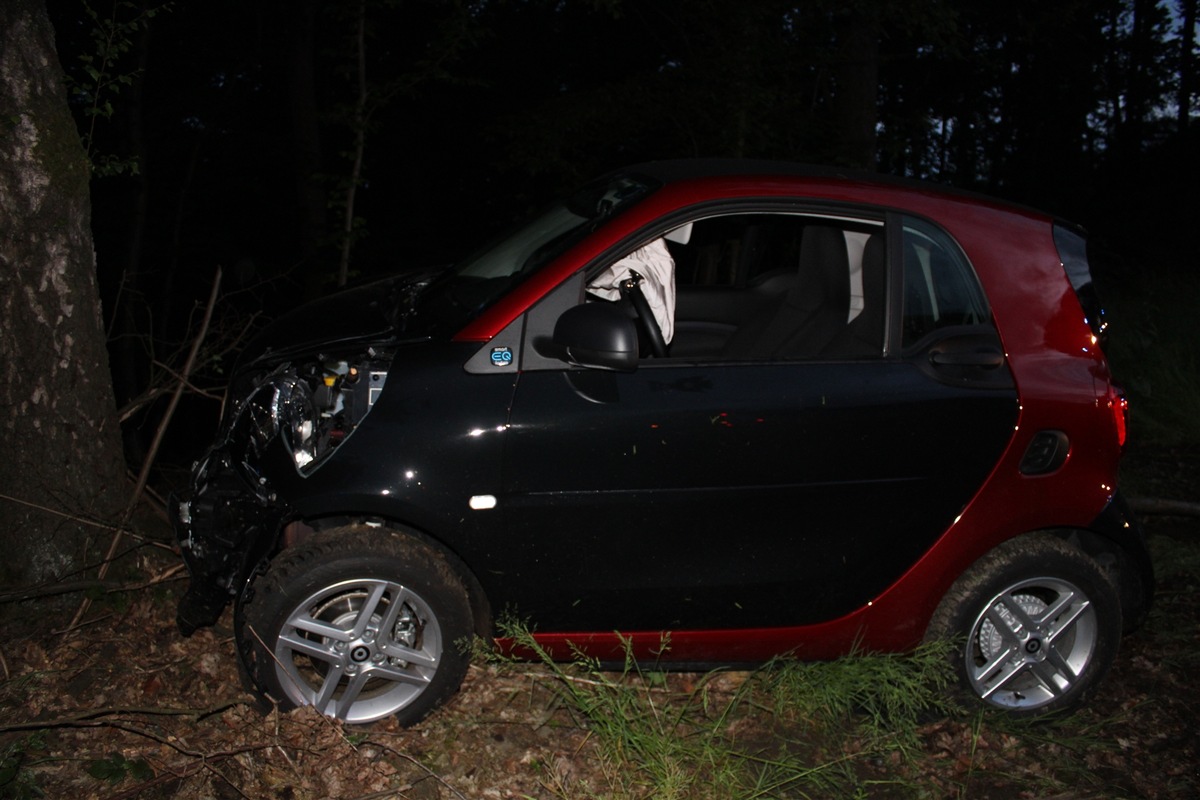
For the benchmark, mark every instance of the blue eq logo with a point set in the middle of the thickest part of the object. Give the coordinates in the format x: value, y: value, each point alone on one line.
x: 501, y: 356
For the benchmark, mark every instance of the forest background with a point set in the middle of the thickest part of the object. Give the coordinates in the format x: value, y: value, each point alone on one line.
x: 291, y: 146
x: 303, y: 144
x: 294, y: 147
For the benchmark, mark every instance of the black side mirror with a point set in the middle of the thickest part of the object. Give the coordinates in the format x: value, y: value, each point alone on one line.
x: 598, y: 335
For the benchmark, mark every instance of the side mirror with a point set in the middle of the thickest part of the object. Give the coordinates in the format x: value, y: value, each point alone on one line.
x: 598, y: 335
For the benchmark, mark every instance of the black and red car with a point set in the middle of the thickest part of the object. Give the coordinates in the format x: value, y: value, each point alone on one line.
x: 764, y: 408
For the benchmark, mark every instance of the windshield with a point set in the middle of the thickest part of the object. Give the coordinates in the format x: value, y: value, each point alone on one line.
x: 464, y: 291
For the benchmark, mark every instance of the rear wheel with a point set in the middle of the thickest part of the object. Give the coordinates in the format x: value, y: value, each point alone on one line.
x: 1036, y: 624
x: 361, y: 623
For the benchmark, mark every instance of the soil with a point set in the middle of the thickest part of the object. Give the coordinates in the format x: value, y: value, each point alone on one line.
x: 122, y: 707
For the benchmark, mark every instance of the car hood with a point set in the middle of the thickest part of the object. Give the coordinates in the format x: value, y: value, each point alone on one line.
x: 373, y: 313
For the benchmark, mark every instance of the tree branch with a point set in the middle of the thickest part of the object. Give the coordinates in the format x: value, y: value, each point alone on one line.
x: 67, y: 587
x: 158, y: 437
x: 93, y: 718
x: 1164, y: 506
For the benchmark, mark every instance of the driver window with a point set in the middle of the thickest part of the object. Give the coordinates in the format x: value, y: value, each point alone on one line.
x: 644, y: 283
x: 753, y: 287
x: 780, y: 286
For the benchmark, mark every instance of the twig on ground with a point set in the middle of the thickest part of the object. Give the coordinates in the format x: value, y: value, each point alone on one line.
x: 77, y: 626
x: 94, y: 718
x: 55, y: 588
x: 72, y: 517
x: 52, y: 589
x: 202, y: 761
x: 163, y: 777
x: 417, y: 763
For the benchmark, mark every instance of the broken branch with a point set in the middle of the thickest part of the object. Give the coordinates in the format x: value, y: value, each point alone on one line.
x: 144, y: 475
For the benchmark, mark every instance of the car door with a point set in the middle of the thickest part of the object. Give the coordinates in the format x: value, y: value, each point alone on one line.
x: 784, y: 477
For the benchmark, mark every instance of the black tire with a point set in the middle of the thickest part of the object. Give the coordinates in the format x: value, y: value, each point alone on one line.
x: 361, y: 622
x: 1035, y: 624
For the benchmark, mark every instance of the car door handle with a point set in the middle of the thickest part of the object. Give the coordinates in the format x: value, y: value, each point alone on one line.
x: 987, y: 357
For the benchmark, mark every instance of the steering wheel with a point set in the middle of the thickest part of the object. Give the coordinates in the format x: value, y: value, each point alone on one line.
x: 632, y: 289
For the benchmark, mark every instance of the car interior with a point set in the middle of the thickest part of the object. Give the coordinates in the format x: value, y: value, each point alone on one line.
x: 779, y: 286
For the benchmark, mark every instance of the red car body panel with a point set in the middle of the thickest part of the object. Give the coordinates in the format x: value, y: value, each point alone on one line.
x: 1062, y: 379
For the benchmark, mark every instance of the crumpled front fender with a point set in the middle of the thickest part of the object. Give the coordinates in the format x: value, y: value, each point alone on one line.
x: 224, y: 526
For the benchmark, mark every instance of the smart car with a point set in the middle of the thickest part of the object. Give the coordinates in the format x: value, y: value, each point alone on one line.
x: 744, y: 409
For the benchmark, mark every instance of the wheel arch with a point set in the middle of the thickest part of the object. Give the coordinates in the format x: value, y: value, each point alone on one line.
x: 299, y: 530
x: 1042, y: 564
x: 1123, y: 558
x: 1126, y: 565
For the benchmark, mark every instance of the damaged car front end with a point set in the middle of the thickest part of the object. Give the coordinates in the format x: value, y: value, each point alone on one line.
x: 286, y: 413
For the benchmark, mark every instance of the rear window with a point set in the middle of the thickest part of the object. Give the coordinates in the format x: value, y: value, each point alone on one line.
x: 940, y: 288
x: 1072, y: 252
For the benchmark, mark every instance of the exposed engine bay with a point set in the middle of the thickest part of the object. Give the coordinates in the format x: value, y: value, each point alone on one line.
x: 314, y: 406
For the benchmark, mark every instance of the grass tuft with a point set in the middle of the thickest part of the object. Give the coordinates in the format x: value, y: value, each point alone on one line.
x: 884, y: 697
x: 708, y: 741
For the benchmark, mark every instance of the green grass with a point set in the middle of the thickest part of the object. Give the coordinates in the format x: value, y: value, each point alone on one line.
x: 862, y: 726
x: 790, y: 729
x: 886, y: 694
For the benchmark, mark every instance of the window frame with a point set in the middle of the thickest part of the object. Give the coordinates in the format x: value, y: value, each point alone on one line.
x: 966, y: 270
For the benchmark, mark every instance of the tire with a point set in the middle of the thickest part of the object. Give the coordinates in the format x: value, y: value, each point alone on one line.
x: 359, y: 622
x: 1035, y: 625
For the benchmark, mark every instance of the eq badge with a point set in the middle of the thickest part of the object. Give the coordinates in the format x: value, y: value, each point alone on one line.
x: 501, y: 356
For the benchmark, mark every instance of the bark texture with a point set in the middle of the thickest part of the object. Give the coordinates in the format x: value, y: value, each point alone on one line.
x: 60, y: 454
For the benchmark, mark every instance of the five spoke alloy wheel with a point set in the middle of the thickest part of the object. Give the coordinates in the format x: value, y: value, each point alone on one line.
x: 360, y: 623
x: 358, y: 650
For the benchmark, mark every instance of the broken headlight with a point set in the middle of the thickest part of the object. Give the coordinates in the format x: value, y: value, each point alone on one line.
x: 296, y: 418
x: 312, y: 406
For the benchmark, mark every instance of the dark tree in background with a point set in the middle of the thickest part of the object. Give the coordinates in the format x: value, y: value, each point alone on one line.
x: 247, y: 125
x: 1187, y: 64
x: 58, y: 422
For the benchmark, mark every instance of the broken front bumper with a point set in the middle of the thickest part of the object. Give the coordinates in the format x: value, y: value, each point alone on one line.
x: 224, y: 526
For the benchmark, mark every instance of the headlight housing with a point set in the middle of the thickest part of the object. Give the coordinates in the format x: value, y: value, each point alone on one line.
x: 313, y: 406
x: 296, y: 418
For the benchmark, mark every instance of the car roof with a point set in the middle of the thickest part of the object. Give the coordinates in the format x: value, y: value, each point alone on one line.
x: 681, y: 169
x: 690, y: 170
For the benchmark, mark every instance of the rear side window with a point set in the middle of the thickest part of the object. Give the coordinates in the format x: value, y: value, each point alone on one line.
x: 940, y: 288
x: 1072, y: 251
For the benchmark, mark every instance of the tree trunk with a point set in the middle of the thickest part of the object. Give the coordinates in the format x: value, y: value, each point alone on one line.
x: 60, y: 451
x: 359, y: 125
x: 856, y: 98
x: 298, y: 38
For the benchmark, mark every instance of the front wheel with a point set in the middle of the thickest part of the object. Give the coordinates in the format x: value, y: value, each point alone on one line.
x: 361, y: 623
x: 1036, y: 624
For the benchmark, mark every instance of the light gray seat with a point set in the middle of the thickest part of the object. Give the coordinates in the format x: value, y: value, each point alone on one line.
x: 806, y: 320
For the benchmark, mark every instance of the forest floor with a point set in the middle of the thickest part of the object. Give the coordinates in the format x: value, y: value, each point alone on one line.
x: 123, y: 707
